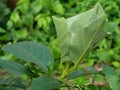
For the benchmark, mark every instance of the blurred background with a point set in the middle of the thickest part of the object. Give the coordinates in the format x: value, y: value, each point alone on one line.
x: 31, y: 20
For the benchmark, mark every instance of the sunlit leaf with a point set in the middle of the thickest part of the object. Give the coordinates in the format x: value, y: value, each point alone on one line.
x: 79, y: 34
x: 2, y: 30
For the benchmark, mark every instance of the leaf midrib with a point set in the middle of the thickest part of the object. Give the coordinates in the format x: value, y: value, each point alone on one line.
x: 28, y: 53
x: 85, y: 51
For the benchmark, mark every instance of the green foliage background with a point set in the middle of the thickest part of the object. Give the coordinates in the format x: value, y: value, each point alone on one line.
x: 32, y: 20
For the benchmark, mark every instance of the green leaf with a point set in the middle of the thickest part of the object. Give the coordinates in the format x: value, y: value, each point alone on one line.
x: 108, y: 70
x: 20, y: 34
x: 116, y: 64
x: 2, y: 87
x: 92, y: 87
x: 98, y: 78
x: 57, y: 7
x: 103, y: 55
x: 45, y: 83
x: 32, y: 52
x: 14, y: 17
x: 36, y: 6
x: 13, y: 67
x: 105, y: 88
x: 79, y: 34
x: 23, y: 6
x: 111, y: 77
x: 9, y: 24
x: 28, y: 19
x: 79, y: 73
x: 80, y: 81
x: 76, y: 74
x: 111, y: 26
x: 2, y: 30
x: 12, y: 82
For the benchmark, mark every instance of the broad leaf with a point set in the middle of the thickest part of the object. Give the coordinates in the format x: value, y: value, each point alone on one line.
x: 108, y: 70
x: 111, y: 77
x: 32, y: 52
x: 78, y: 35
x: 13, y: 67
x: 2, y: 87
x: 11, y: 83
x: 79, y: 73
x: 45, y: 83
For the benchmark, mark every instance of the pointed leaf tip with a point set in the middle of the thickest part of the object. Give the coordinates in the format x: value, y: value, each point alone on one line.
x: 78, y: 34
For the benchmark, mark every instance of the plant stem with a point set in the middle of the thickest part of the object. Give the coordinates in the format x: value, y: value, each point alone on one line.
x: 65, y: 71
x: 61, y: 65
x: 68, y: 87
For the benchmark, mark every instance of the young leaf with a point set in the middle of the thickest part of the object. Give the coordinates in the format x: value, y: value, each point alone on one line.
x: 32, y: 52
x: 13, y: 67
x: 111, y: 26
x: 45, y: 83
x: 79, y: 73
x: 78, y: 35
x: 111, y: 77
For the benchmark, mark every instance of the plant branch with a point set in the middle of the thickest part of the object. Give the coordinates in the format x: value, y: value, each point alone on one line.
x: 68, y: 86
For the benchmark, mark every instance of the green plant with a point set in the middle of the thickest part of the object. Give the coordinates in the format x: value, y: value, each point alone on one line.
x: 36, y: 25
x: 77, y: 36
x: 31, y: 18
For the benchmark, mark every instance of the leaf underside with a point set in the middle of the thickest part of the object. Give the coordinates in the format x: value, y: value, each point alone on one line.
x: 79, y: 34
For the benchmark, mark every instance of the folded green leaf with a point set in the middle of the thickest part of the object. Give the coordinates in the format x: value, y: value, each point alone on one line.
x: 79, y: 34
x: 79, y: 73
x: 45, y: 83
x: 13, y: 67
x: 32, y: 52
